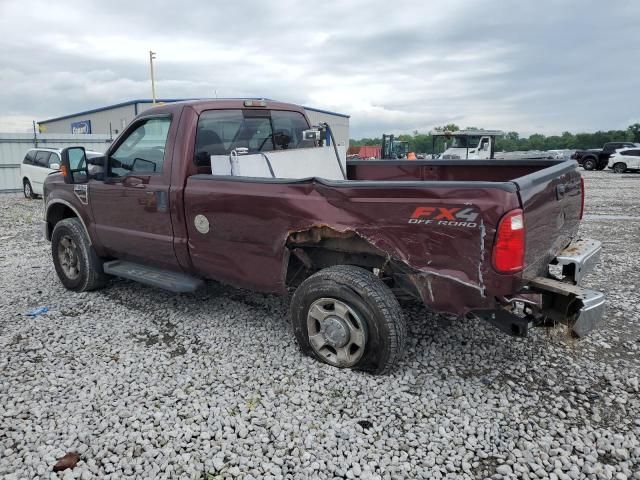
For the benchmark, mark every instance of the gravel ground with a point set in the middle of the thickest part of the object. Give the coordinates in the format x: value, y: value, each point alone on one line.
x: 142, y: 383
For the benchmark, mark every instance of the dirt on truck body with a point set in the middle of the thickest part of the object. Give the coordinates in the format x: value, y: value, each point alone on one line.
x: 248, y: 193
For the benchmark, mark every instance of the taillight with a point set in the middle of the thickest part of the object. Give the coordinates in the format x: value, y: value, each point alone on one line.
x: 508, y: 249
x: 582, y: 196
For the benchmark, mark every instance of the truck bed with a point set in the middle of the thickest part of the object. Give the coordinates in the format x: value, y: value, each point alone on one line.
x: 447, y: 261
x: 445, y: 170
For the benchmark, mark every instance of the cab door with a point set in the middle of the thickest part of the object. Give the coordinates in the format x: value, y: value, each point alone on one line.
x: 130, y: 205
x: 484, y: 148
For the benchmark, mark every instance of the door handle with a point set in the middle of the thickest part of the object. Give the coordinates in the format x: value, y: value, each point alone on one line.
x: 136, y: 182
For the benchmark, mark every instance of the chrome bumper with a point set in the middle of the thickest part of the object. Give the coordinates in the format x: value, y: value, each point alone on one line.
x: 592, y: 311
x: 565, y: 300
x: 579, y: 258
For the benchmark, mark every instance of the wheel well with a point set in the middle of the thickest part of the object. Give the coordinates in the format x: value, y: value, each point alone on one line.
x: 55, y: 213
x: 25, y: 180
x: 321, y: 246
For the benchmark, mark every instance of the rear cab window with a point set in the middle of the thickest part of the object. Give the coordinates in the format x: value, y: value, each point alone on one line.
x: 221, y: 131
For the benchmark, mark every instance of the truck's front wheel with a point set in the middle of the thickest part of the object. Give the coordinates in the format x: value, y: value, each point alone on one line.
x: 75, y: 261
x: 347, y: 317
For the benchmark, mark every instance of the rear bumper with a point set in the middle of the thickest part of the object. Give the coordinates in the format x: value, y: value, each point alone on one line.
x: 580, y: 308
x: 565, y: 300
x: 561, y: 300
x: 590, y: 314
x: 579, y: 258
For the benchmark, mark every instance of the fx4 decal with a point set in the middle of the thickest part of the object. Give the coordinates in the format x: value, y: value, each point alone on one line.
x: 449, y: 216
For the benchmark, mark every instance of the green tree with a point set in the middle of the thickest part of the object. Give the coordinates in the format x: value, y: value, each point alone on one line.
x: 450, y: 127
x: 423, y: 143
x: 634, y: 132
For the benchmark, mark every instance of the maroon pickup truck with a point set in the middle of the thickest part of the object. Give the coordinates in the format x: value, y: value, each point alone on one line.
x: 241, y: 192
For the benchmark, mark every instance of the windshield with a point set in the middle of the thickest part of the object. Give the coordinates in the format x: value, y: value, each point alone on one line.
x: 220, y: 131
x: 465, y: 142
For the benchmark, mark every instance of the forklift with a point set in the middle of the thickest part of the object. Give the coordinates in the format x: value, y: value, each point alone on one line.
x: 393, y: 149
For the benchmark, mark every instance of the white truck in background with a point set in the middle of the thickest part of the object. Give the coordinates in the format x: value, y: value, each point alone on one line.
x: 467, y: 144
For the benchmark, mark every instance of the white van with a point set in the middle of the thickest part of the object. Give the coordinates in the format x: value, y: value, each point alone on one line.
x: 37, y: 164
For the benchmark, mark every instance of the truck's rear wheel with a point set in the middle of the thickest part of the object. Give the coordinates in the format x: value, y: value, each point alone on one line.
x: 345, y: 316
x: 75, y: 261
x: 619, y: 167
x: 589, y: 164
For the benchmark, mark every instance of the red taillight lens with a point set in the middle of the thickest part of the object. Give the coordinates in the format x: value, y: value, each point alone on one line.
x: 508, y: 249
x: 582, y: 196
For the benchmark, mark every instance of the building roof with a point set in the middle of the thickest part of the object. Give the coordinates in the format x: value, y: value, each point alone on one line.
x: 166, y: 100
x: 117, y: 105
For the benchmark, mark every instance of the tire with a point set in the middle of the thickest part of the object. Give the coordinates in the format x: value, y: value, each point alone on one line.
x: 619, y: 167
x: 365, y: 312
x: 27, y: 189
x: 76, y: 263
x: 589, y: 164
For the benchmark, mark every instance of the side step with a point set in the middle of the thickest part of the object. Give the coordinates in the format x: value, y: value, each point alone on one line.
x: 155, y: 277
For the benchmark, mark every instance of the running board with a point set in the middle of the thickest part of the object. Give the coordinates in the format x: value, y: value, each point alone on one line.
x: 155, y: 277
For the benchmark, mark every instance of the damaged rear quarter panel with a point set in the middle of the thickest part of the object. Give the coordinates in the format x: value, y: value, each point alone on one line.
x: 250, y: 222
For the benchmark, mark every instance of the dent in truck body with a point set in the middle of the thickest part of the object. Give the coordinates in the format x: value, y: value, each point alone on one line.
x: 252, y: 221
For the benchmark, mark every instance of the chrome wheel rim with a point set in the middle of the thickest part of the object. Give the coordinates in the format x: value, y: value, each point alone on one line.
x: 27, y: 190
x: 68, y: 257
x: 336, y: 332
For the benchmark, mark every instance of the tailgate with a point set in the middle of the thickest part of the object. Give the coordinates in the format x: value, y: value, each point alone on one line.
x: 552, y: 202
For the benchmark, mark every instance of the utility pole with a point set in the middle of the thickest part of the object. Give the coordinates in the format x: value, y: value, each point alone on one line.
x: 152, y: 56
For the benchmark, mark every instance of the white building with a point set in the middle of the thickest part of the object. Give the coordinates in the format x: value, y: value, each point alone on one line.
x: 112, y: 119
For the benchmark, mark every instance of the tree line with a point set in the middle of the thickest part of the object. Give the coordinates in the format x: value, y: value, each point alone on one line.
x: 511, y: 142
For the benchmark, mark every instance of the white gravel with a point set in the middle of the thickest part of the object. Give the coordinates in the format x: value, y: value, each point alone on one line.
x: 146, y: 384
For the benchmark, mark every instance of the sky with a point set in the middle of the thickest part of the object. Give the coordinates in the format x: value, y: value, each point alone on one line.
x: 394, y: 67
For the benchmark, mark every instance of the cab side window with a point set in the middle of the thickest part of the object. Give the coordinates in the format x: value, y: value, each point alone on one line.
x: 143, y: 150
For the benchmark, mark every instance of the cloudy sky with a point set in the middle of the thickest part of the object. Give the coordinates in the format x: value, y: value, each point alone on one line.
x: 530, y: 66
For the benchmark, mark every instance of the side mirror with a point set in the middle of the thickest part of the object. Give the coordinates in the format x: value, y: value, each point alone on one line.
x: 54, y: 166
x: 73, y: 165
x: 142, y: 165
